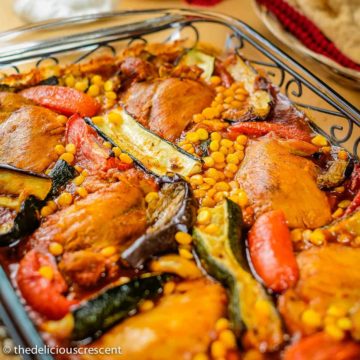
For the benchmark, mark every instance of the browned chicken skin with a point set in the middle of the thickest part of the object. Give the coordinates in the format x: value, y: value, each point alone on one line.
x: 167, y: 106
x: 275, y: 179
x: 112, y: 216
x: 179, y: 327
x: 28, y: 135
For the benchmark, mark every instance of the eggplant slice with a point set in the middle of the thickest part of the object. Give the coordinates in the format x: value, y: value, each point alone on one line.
x: 175, y: 211
x: 338, y: 170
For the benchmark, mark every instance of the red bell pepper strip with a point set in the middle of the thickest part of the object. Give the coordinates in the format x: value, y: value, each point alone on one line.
x: 262, y: 128
x: 355, y: 204
x: 64, y: 100
x: 90, y: 151
x: 319, y: 346
x: 271, y: 251
x: 44, y: 295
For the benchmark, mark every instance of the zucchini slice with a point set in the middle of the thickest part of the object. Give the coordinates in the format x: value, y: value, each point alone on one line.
x: 60, y: 174
x: 250, y: 307
x: 257, y: 87
x: 149, y: 150
x: 175, y: 211
x: 203, y: 61
x: 98, y: 314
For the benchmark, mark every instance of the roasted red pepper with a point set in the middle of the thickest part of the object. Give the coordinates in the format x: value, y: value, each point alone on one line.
x: 263, y: 128
x: 43, y: 294
x: 271, y: 251
x: 90, y: 151
x: 66, y: 101
x: 321, y: 347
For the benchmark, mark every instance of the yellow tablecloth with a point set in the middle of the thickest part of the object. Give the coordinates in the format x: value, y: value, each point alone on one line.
x: 239, y: 8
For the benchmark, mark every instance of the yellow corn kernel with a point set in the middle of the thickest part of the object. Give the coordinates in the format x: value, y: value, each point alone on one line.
x: 215, y: 136
x: 70, y: 148
x: 196, y: 179
x: 52, y: 204
x: 185, y: 253
x: 214, y: 145
x: 169, y: 288
x: 82, y: 191
x: 146, y: 305
x: 311, y: 318
x: 93, y: 90
x: 151, y: 196
x: 204, y: 217
x: 46, y: 272
x: 342, y: 155
x: 200, y: 356
x: 81, y: 86
x: 334, y: 332
x: 240, y: 97
x: 228, y: 339
x: 337, y: 310
x: 224, y: 150
x: 59, y: 149
x: 183, y: 238
x: 317, y: 237
x: 215, y: 80
x: 199, y: 193
x: 125, y: 158
x: 212, y: 229
x: 78, y: 168
x: 198, y: 118
x: 209, y: 113
x: 226, y: 142
x: 222, y: 324
x: 319, y: 140
x: 70, y: 81
x: 212, y: 173
x: 344, y: 204
x: 111, y: 95
x: 109, y: 85
x: 108, y: 251
x: 209, y: 181
x: 192, y: 137
x: 340, y: 189
x: 337, y: 213
x: 344, y: 323
x: 218, y: 157
x: 114, y: 117
x: 232, y: 168
x: 220, y: 89
x: 296, y: 235
x: 202, y: 134
x: 219, y: 196
x: 116, y: 151
x: 56, y: 249
x: 217, y: 349
x: 97, y: 120
x: 68, y: 157
x: 46, y: 211
x: 208, y: 202
x: 242, y: 139
x: 233, y: 159
x: 242, y: 198
x: 65, y: 199
x: 222, y: 186
x: 62, y: 118
x: 228, y: 100
x: 97, y: 79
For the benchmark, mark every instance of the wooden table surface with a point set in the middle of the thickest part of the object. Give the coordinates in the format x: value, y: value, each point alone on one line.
x: 242, y: 9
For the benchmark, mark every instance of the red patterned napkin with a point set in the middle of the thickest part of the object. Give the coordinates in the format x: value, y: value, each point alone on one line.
x: 307, y: 32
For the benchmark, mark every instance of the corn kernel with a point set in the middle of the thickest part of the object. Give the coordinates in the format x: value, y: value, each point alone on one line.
x: 224, y: 150
x: 93, y: 90
x: 185, y: 253
x: 209, y: 181
x: 169, y: 287
x: 202, y: 134
x: 214, y: 145
x: 97, y: 120
x: 212, y: 173
x: 311, y: 318
x: 111, y: 95
x: 220, y: 89
x: 242, y: 139
x: 200, y: 356
x: 212, y: 229
x: 228, y: 339
x: 344, y: 204
x: 96, y: 79
x: 317, y: 237
x: 233, y: 159
x: 334, y: 332
x: 109, y: 85
x: 81, y: 86
x: 46, y: 272
x: 337, y: 213
x: 69, y: 81
x: 199, y: 193
x: 183, y: 238
x: 114, y: 117
x: 319, y: 140
x: 46, y: 211
x: 204, y: 217
x: 151, y: 196
x: 198, y: 118
x: 192, y: 137
x: 344, y: 323
x: 232, y: 168
x: 215, y: 80
x: 222, y: 324
x: 339, y: 189
x: 196, y: 179
x: 296, y: 235
x: 56, y: 249
x: 62, y: 118
x: 52, y: 204
x: 116, y: 151
x: 215, y: 136
x: 146, y: 305
x: 222, y: 186
x: 108, y: 251
x: 125, y: 158
x: 326, y: 149
x: 82, y: 191
x: 242, y: 198
x: 59, y: 149
x: 208, y: 202
x: 209, y: 113
x: 217, y: 349
x: 342, y: 155
x: 337, y: 310
x: 65, y: 199
x: 70, y: 148
x: 218, y: 157
x: 68, y: 157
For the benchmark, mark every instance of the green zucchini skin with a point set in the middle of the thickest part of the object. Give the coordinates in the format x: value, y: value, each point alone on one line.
x: 223, y: 256
x: 203, y: 61
x: 176, y: 212
x: 100, y: 313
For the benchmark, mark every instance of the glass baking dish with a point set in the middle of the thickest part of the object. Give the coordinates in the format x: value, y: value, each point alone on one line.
x: 76, y: 39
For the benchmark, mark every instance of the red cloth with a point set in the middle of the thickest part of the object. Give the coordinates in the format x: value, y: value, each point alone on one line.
x: 203, y: 2
x: 307, y: 32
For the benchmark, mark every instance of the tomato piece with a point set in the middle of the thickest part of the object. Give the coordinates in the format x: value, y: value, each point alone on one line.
x: 321, y: 347
x: 44, y: 295
x: 66, y: 101
x: 271, y: 251
x: 263, y: 128
x: 90, y: 151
